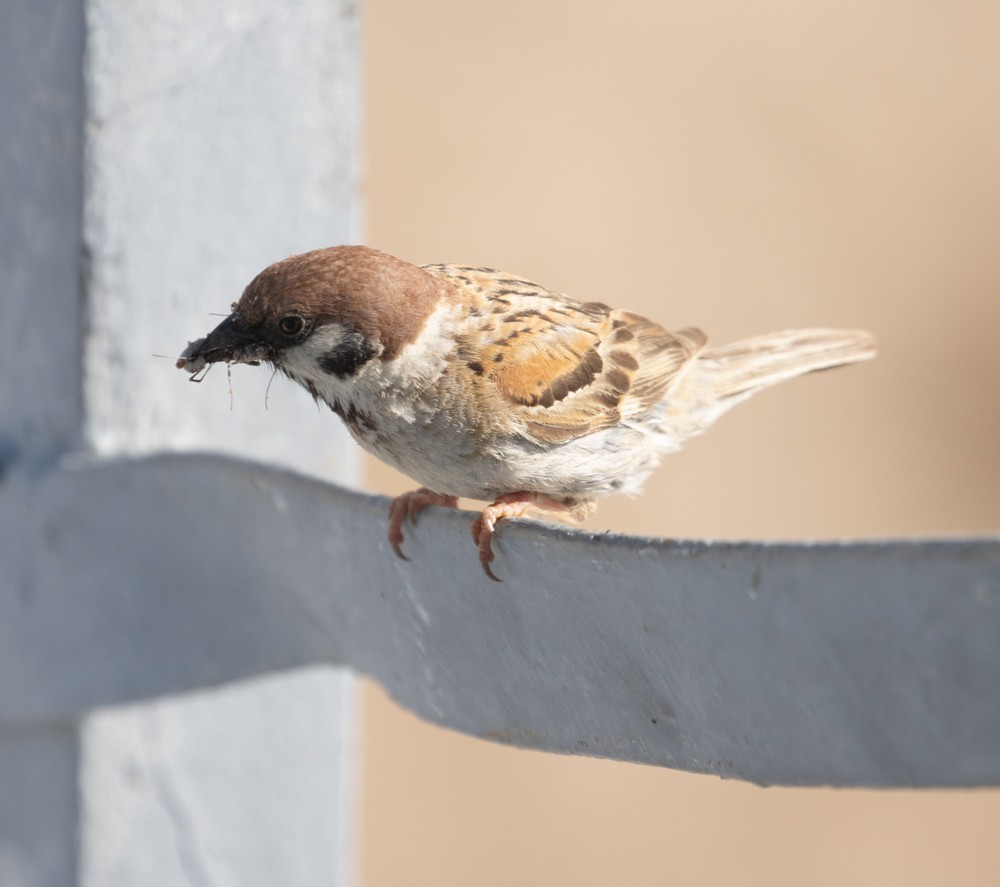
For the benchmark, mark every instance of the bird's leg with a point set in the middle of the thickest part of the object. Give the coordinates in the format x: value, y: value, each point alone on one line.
x: 517, y: 505
x: 409, y: 505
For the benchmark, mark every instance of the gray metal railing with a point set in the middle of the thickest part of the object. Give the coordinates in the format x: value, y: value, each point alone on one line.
x: 869, y: 663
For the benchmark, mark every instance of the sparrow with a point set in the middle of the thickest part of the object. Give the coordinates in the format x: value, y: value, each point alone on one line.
x: 482, y: 384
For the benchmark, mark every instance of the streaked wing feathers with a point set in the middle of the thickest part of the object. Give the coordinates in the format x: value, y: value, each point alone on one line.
x: 565, y: 368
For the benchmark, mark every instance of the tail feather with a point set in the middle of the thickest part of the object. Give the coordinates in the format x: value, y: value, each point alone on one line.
x: 739, y: 370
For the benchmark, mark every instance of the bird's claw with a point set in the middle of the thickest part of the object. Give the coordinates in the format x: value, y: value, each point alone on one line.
x: 483, y: 531
x: 407, y: 507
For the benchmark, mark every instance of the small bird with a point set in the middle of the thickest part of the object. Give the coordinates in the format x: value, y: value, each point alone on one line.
x: 482, y: 384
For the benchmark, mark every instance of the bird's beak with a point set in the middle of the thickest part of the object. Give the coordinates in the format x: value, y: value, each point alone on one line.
x: 230, y: 341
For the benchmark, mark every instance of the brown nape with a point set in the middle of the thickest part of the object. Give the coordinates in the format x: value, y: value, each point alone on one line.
x: 384, y: 298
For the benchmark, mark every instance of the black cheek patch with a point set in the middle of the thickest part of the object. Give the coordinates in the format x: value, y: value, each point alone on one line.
x: 348, y: 356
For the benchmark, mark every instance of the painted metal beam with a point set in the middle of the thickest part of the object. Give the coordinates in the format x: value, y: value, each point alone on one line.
x: 862, y: 663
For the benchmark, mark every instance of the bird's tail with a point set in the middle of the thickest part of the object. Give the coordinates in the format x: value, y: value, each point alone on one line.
x: 736, y: 371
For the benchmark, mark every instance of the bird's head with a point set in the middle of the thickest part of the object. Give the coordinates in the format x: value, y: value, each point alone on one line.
x: 322, y: 314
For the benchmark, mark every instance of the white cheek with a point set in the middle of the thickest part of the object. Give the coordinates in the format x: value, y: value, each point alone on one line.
x: 386, y: 388
x: 303, y: 361
x: 320, y: 343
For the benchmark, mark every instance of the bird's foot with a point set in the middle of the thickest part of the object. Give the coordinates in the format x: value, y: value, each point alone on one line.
x: 409, y: 505
x: 511, y: 505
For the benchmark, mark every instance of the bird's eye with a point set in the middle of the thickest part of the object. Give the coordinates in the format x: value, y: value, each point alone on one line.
x: 291, y: 324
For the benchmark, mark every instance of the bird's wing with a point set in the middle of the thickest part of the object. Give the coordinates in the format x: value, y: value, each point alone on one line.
x: 564, y: 368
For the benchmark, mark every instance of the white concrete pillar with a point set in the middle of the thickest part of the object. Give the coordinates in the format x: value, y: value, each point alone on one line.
x: 160, y: 153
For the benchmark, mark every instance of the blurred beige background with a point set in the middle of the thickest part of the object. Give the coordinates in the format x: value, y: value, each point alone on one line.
x: 744, y: 168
